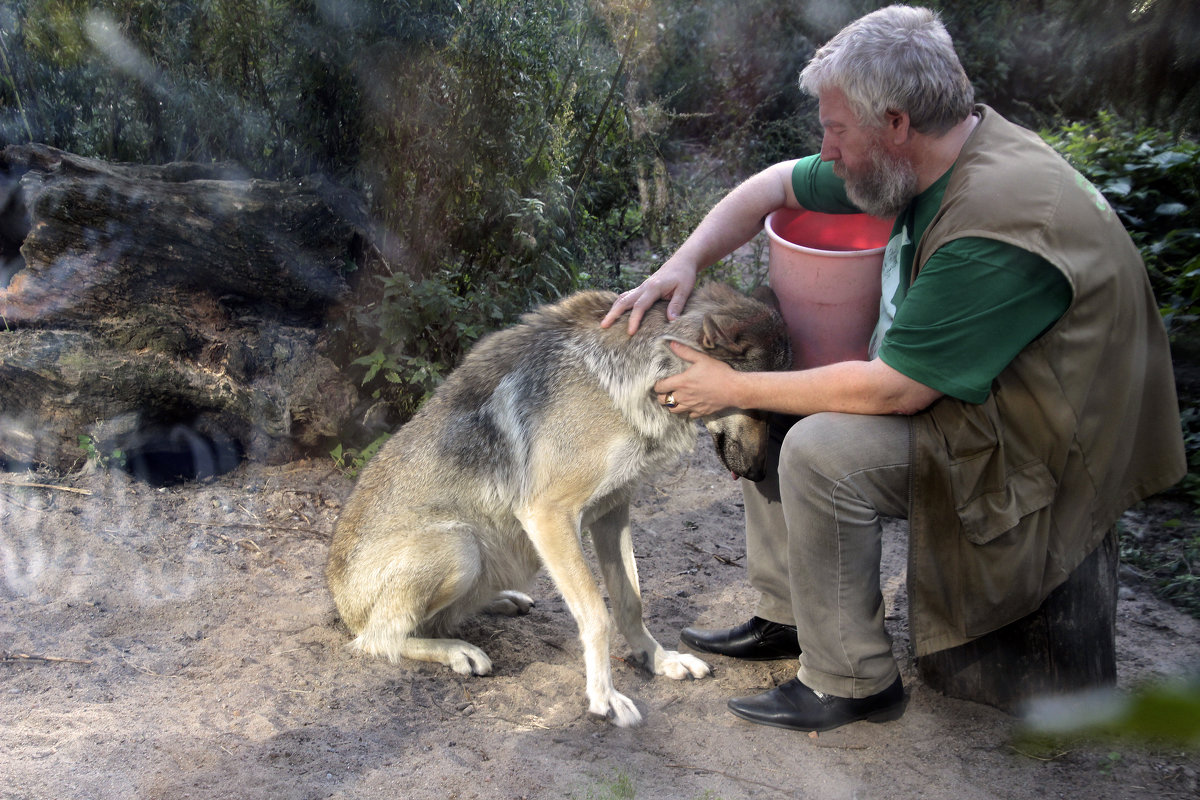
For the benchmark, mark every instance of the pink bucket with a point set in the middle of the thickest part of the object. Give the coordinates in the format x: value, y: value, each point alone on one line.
x: 825, y: 269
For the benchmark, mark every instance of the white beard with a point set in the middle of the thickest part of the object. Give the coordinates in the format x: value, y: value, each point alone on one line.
x: 884, y: 188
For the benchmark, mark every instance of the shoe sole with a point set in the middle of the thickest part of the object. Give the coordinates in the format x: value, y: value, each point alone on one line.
x: 745, y: 658
x: 699, y: 649
x: 889, y: 714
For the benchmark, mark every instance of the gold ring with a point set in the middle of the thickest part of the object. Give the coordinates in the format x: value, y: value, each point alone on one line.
x: 671, y: 401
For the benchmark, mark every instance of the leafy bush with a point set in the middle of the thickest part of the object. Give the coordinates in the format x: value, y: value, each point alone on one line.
x: 498, y: 155
x: 265, y: 85
x: 1152, y: 180
x: 510, y: 148
x: 728, y: 71
x: 1170, y: 564
x: 1190, y: 485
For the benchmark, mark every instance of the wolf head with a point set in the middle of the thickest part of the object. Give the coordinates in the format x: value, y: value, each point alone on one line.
x: 748, y: 333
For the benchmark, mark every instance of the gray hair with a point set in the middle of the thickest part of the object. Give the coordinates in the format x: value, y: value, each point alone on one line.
x: 898, y: 58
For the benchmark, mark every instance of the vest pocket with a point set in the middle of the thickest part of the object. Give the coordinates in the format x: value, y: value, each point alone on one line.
x: 997, y: 506
x: 1002, y: 551
x: 989, y: 492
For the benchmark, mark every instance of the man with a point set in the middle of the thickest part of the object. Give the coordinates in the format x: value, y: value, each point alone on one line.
x: 1018, y: 397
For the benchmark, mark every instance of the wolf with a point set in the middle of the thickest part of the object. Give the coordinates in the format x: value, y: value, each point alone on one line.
x: 542, y: 432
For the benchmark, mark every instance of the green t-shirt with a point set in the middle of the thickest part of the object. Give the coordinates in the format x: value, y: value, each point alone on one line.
x: 976, y: 303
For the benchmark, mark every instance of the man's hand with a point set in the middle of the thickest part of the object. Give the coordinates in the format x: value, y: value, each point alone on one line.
x: 704, y: 388
x: 732, y: 222
x: 672, y: 280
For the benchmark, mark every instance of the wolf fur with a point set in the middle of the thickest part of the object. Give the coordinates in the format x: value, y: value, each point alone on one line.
x: 544, y: 430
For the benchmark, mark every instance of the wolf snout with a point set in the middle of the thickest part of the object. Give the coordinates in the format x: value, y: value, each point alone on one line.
x: 741, y: 440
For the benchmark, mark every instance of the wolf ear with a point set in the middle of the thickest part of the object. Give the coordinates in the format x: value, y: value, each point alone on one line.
x: 766, y: 295
x: 725, y: 332
x: 722, y: 332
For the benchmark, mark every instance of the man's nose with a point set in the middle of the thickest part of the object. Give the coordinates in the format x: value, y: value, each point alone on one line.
x: 829, y: 150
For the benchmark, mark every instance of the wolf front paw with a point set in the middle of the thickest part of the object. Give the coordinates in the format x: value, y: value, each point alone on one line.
x: 681, y: 665
x: 617, y: 708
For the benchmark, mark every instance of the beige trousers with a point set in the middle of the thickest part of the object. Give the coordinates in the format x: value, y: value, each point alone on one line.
x: 814, y: 542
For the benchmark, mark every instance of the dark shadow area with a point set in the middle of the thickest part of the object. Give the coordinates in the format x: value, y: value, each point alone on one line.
x: 14, y: 226
x: 173, y: 454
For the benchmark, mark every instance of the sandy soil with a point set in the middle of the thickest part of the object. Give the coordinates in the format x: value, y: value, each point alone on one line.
x: 180, y: 643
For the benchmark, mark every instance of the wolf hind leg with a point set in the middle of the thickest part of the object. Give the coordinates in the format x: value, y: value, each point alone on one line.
x: 510, y: 603
x: 393, y: 639
x: 462, y: 657
x: 412, y: 599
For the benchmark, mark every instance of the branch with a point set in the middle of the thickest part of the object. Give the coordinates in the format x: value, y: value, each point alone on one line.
x: 28, y: 485
x: 10, y: 658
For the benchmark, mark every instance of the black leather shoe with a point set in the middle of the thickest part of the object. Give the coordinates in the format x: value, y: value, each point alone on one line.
x: 756, y: 640
x: 793, y: 705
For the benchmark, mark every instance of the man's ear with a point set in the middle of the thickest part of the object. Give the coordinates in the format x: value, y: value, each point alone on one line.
x: 897, y: 126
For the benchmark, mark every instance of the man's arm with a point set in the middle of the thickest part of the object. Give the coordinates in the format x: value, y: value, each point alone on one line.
x: 729, y: 225
x: 854, y: 387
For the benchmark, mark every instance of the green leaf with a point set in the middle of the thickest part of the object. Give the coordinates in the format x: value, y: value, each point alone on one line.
x: 1120, y: 187
x: 1172, y: 209
x: 1170, y: 158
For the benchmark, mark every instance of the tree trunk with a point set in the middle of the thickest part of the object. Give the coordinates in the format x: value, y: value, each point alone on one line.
x: 1066, y: 645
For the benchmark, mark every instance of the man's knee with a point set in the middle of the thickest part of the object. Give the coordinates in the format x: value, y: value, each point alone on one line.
x: 834, y: 445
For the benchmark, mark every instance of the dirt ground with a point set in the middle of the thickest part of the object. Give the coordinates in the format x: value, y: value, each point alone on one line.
x: 181, y: 643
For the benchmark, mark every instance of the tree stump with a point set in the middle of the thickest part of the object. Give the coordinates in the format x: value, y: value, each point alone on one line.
x: 1067, y: 645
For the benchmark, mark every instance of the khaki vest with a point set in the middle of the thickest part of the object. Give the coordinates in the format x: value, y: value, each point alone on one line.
x: 1010, y: 496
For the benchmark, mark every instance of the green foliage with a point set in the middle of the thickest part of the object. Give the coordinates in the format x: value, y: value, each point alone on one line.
x: 510, y: 149
x: 500, y: 205
x: 1162, y: 713
x: 1191, y: 442
x: 95, y: 455
x: 424, y: 325
x: 350, y: 461
x: 1152, y: 180
x: 1170, y: 564
x: 619, y: 788
x: 265, y: 85
x: 1038, y: 60
x: 727, y: 69
x: 493, y: 140
x: 1013, y: 53
x: 727, y: 74
x: 1138, y: 56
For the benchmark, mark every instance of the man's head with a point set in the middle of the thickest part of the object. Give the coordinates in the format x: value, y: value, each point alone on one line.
x: 897, y: 59
x: 879, y: 176
x: 882, y: 79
